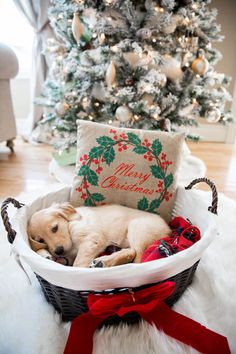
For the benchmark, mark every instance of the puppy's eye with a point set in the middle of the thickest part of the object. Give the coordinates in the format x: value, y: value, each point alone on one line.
x: 41, y: 240
x: 54, y: 229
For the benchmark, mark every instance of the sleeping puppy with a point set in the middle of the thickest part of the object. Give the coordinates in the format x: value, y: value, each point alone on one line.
x: 83, y: 233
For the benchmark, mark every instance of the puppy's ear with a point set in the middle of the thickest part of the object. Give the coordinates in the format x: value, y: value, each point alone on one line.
x: 36, y: 246
x: 66, y: 211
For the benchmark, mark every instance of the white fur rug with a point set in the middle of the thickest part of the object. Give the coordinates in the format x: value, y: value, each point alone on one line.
x: 29, y: 325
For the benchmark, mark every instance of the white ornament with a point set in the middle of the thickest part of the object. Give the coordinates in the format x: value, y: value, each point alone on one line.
x: 136, y: 60
x: 77, y: 28
x: 213, y: 115
x: 89, y: 16
x: 172, y: 25
x: 111, y: 74
x: 124, y: 114
x: 98, y: 92
x: 171, y: 67
x: 93, y: 54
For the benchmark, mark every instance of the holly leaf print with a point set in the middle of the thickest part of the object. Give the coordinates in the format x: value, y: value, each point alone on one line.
x: 134, y: 139
x: 156, y: 147
x: 97, y: 197
x: 140, y: 149
x: 83, y: 170
x: 96, y: 152
x: 168, y: 180
x: 157, y: 172
x: 92, y: 177
x: 143, y: 204
x: 105, y: 140
x: 109, y: 155
x: 88, y: 202
x: 154, y: 204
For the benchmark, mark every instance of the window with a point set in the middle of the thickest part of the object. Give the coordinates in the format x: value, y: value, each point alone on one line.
x: 16, y: 32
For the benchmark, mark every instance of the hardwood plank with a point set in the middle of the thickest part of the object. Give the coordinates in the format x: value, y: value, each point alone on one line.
x: 27, y: 169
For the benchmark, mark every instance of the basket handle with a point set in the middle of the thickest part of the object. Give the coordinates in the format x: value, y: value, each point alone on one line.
x: 11, y: 233
x: 214, y: 205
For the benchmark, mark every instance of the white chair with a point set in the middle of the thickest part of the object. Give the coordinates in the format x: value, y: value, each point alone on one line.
x: 8, y: 69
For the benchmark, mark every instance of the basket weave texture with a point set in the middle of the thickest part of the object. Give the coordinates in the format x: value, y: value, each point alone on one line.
x: 72, y: 303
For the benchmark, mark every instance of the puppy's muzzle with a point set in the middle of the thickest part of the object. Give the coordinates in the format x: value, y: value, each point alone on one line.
x: 59, y: 251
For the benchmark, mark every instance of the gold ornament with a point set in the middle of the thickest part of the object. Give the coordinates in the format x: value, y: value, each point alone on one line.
x: 200, y: 65
x: 101, y: 38
x: 213, y: 115
x: 148, y: 99
x: 124, y: 114
x: 77, y: 28
x: 111, y: 74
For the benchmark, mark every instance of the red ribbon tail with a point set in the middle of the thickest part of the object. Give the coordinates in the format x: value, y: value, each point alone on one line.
x: 187, y: 330
x: 80, y: 339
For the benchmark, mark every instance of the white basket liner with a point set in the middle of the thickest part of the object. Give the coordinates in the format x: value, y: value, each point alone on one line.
x: 188, y: 204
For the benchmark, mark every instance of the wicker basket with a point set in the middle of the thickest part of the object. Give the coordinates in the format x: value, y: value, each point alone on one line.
x: 71, y: 303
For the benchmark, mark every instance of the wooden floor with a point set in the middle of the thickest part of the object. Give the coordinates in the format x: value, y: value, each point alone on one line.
x: 27, y: 169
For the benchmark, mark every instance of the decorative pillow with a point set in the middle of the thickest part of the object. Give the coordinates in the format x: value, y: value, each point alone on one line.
x: 131, y: 167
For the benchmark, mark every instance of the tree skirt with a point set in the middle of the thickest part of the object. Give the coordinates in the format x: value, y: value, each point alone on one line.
x: 191, y: 167
x: 29, y: 325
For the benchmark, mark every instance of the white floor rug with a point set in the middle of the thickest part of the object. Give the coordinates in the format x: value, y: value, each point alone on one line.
x: 29, y: 325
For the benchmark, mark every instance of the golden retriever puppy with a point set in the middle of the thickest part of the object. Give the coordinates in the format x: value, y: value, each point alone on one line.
x: 82, y: 234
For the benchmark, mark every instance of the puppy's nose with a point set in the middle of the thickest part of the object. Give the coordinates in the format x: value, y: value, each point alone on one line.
x: 59, y: 250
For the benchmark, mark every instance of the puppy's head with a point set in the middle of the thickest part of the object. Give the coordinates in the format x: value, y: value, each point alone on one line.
x: 49, y: 228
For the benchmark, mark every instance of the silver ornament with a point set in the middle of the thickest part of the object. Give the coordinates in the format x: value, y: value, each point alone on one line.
x: 144, y: 33
x: 124, y: 114
x: 213, y: 115
x: 61, y: 108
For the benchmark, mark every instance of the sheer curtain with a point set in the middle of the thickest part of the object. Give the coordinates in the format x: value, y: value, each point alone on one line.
x: 36, y: 12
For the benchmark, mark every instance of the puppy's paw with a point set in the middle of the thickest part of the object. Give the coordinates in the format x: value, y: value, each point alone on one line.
x: 97, y: 263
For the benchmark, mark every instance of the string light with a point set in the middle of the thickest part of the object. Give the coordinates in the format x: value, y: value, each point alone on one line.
x: 159, y: 9
x: 154, y: 40
x: 97, y: 104
x: 110, y: 121
x: 156, y: 116
x: 102, y: 38
x: 90, y: 117
x: 195, y: 6
x: 114, y: 48
x: 136, y: 117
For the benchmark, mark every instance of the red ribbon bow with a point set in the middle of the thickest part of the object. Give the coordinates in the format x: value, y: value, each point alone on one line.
x: 148, y: 303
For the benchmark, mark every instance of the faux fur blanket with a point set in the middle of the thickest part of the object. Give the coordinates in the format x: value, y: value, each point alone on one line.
x: 29, y: 325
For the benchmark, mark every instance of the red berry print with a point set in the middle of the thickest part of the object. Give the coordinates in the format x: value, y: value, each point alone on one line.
x: 163, y: 156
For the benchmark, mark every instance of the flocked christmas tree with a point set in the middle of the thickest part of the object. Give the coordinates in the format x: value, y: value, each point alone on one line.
x: 143, y: 64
